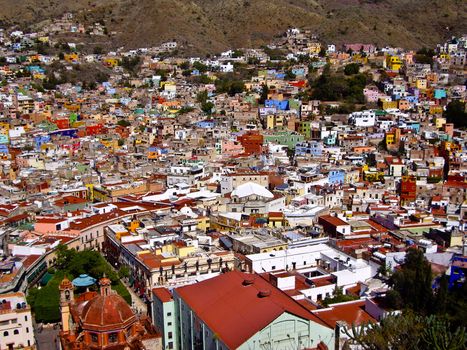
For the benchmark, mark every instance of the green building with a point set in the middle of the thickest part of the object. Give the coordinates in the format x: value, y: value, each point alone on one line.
x: 237, y: 310
x: 163, y: 317
x: 284, y: 138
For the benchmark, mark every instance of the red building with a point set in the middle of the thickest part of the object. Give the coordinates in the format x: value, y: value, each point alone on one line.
x: 94, y: 129
x: 408, y: 189
x: 252, y: 142
x: 62, y: 123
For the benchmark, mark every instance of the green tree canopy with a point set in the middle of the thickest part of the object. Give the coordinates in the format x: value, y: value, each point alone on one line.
x: 455, y: 113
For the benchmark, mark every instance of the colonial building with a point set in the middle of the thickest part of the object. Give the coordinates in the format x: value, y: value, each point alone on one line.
x: 102, y: 320
x: 16, y: 330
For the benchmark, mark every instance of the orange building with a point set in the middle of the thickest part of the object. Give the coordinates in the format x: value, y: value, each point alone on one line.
x: 252, y: 142
x: 408, y: 189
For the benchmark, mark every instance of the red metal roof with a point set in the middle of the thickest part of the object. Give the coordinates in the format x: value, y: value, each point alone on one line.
x: 235, y: 311
x: 162, y: 294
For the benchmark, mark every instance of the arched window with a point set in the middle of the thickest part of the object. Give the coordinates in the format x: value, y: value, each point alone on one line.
x: 16, y: 331
x: 5, y: 334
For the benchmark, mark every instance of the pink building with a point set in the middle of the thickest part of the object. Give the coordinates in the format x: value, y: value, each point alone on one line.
x: 231, y: 148
x: 50, y: 225
x: 373, y: 95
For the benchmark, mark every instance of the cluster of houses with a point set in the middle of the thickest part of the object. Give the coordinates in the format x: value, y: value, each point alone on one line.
x: 240, y: 205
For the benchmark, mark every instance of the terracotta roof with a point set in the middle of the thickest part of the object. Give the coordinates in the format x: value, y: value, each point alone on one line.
x: 162, y: 294
x: 69, y: 200
x: 333, y: 220
x: 105, y: 311
x: 235, y: 309
x: 351, y: 313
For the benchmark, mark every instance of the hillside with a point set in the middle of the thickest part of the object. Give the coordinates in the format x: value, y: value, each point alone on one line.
x: 213, y: 25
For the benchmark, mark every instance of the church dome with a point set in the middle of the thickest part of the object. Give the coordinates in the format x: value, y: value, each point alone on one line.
x: 106, y: 312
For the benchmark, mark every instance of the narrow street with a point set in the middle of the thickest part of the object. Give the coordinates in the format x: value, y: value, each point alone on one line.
x: 47, y: 338
x: 138, y: 304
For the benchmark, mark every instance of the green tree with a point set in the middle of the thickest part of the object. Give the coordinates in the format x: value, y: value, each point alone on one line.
x: 413, y: 282
x: 202, y: 96
x: 455, y: 113
x: 64, y: 256
x: 185, y: 65
x: 123, y: 122
x: 264, y: 94
x: 408, y: 332
x: 124, y: 272
x: 351, y: 69
x: 202, y: 68
x: 289, y: 75
x: 207, y: 107
x: 338, y: 297
x: 98, y: 50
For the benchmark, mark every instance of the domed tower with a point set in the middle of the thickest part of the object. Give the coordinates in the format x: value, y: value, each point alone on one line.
x: 105, y: 285
x: 66, y: 299
x: 107, y: 320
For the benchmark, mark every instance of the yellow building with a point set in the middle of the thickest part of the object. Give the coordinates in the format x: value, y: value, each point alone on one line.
x: 71, y: 57
x: 314, y: 48
x: 390, y: 139
x: 394, y: 63
x: 439, y: 122
x: 389, y: 104
x: 204, y: 223
x: 421, y: 84
x: 436, y: 110
x: 111, y: 62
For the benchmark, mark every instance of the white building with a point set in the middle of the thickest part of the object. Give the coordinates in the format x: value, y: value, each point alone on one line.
x: 322, y: 267
x: 16, y: 330
x: 363, y: 118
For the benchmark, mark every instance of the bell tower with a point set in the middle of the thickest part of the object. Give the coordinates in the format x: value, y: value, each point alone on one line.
x: 105, y: 286
x: 66, y: 298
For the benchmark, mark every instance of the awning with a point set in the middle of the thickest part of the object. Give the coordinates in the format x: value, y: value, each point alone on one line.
x: 46, y: 278
x: 83, y: 281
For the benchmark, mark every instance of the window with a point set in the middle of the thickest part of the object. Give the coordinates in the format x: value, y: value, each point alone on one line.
x: 94, y: 338
x: 27, y: 329
x: 169, y: 314
x: 319, y: 297
x: 16, y: 331
x: 170, y: 335
x: 25, y: 318
x: 169, y: 323
x: 5, y: 334
x: 170, y: 345
x: 113, y: 337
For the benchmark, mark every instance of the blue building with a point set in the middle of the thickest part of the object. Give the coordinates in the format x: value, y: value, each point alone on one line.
x: 73, y: 133
x: 4, y: 149
x: 280, y: 105
x: 298, y: 71
x: 313, y: 148
x: 336, y: 176
x: 206, y: 124
x: 411, y: 98
x: 40, y: 140
x: 413, y: 125
x: 440, y: 93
